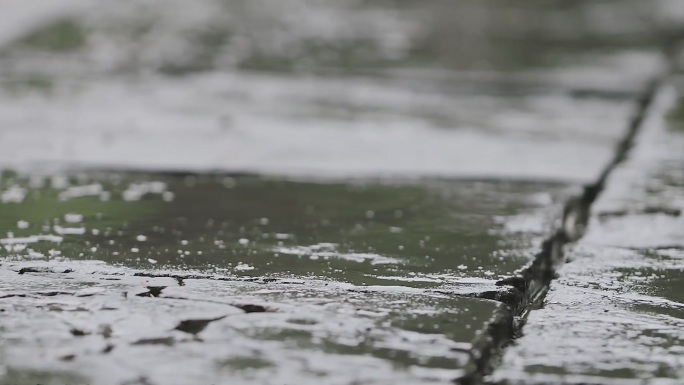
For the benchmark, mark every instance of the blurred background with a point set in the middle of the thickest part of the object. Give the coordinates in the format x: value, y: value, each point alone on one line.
x: 321, y: 88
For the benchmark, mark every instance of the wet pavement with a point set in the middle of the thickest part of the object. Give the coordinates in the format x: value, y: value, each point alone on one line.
x: 616, y: 312
x: 362, y: 274
x: 360, y: 232
x: 239, y: 192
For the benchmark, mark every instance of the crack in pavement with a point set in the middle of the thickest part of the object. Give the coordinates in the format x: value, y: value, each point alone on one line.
x: 529, y: 287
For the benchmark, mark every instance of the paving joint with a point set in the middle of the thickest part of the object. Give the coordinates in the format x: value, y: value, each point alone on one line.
x: 529, y: 286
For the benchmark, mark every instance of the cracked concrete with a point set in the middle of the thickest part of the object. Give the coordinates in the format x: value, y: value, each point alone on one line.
x: 104, y: 331
x: 614, y: 315
x: 412, y: 206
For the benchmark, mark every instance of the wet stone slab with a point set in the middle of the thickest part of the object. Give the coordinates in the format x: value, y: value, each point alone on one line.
x: 616, y: 313
x: 347, y: 273
x: 113, y: 330
x: 123, y: 276
x: 363, y: 232
x: 614, y: 317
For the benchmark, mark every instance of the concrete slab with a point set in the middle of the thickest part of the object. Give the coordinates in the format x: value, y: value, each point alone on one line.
x: 616, y: 313
x: 354, y: 262
x: 364, y: 274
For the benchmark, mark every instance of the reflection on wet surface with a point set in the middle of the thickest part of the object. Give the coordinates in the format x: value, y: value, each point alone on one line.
x: 261, y: 227
x: 303, y: 332
x: 346, y: 274
x: 343, y: 272
x: 111, y: 327
x: 613, y: 313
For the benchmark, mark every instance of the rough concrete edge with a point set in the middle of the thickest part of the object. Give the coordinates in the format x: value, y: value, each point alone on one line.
x: 530, y: 285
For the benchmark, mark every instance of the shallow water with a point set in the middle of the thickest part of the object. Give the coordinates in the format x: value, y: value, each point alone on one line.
x: 362, y: 273
x: 325, y: 187
x: 357, y: 231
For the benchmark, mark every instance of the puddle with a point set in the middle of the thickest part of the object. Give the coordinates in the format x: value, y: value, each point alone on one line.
x: 252, y: 226
x: 310, y: 277
x: 347, y: 250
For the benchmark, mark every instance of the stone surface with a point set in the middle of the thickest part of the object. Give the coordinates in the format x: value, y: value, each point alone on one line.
x: 358, y: 260
x: 362, y: 232
x: 362, y: 274
x: 103, y: 324
x: 617, y: 312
